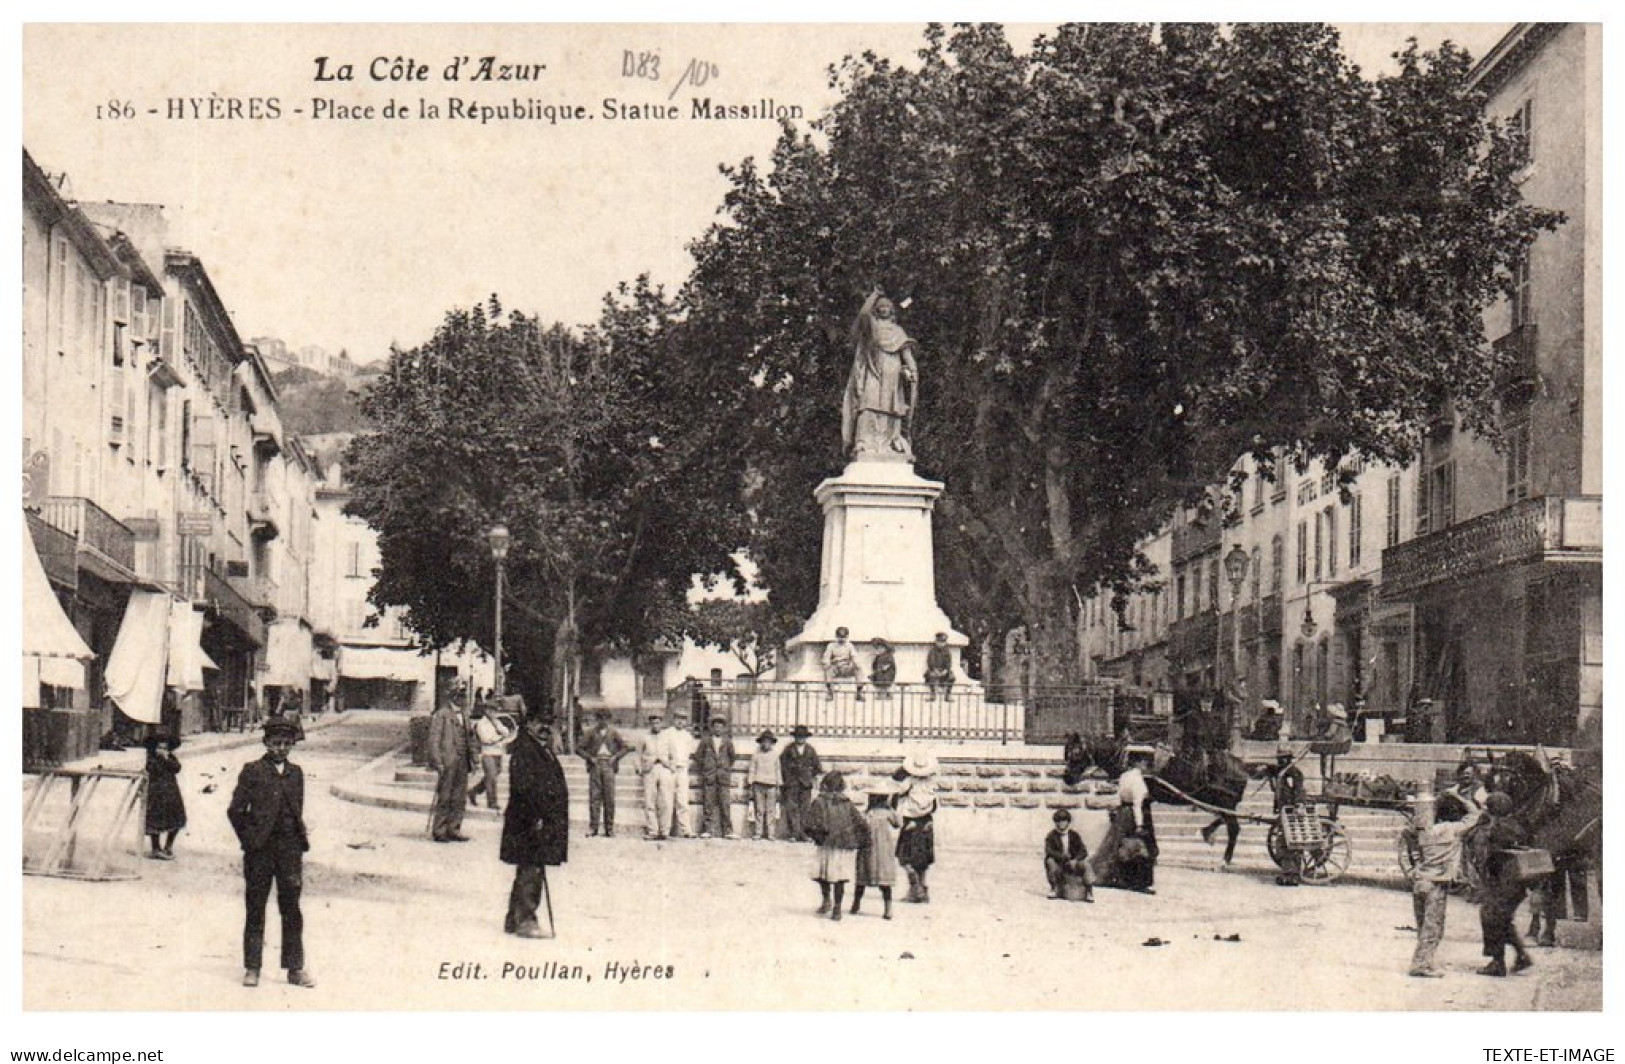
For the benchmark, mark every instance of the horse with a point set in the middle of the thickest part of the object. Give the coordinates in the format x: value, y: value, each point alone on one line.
x: 1560, y: 809
x: 1215, y: 779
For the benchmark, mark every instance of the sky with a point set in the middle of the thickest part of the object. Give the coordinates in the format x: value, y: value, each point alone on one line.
x: 356, y: 233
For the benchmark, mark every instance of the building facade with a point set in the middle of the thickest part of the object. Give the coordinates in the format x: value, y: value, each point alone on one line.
x: 173, y: 518
x: 1504, y: 572
x: 1473, y: 577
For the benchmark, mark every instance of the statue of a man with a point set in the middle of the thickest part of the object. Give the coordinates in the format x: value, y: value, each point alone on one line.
x: 877, y: 410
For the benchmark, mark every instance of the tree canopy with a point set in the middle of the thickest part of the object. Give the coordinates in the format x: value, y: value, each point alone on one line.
x: 1131, y: 254
x: 567, y: 439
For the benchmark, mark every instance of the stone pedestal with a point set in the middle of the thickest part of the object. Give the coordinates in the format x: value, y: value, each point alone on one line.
x: 877, y: 575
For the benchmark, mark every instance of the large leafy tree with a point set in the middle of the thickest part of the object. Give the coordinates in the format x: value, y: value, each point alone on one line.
x: 569, y: 440
x: 1131, y: 254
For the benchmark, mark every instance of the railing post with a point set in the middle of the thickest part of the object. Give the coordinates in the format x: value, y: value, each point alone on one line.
x: 902, y: 713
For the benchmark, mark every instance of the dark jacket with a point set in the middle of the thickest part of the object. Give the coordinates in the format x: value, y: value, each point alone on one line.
x: 265, y: 801
x: 834, y: 821
x: 1069, y: 848
x: 608, y: 738
x: 800, y: 769
x: 714, y: 759
x: 536, y: 824
x: 1289, y: 787
x: 166, y: 809
x: 1499, y: 835
x: 448, y: 739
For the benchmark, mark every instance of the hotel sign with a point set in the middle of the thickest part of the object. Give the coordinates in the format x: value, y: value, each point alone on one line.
x: 194, y: 524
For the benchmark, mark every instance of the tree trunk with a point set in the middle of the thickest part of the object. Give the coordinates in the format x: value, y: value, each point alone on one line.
x: 564, y: 640
x: 1052, y: 644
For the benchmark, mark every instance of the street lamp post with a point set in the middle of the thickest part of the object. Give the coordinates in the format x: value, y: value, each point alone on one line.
x: 1235, y: 567
x: 499, y: 539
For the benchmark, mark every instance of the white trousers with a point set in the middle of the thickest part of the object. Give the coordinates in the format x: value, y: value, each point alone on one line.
x: 658, y: 793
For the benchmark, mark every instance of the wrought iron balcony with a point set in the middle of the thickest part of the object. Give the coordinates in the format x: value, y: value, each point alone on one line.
x: 1518, y: 353
x: 97, y: 532
x: 58, y: 551
x: 1551, y: 528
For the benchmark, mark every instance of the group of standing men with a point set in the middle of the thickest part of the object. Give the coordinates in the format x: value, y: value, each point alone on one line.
x: 672, y: 760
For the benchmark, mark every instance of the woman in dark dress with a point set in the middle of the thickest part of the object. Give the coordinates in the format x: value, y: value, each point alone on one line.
x: 166, y: 810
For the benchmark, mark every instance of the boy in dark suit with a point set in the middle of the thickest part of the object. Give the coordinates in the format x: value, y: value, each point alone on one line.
x: 267, y: 812
x: 1066, y: 855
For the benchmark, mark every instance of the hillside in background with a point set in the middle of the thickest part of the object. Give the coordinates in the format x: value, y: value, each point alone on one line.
x: 312, y: 403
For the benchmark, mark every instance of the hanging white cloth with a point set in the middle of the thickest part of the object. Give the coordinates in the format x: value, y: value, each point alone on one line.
x: 135, y: 669
x: 53, y: 651
x: 186, y: 657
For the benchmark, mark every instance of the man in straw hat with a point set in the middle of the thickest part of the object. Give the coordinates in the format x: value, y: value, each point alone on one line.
x: 267, y: 812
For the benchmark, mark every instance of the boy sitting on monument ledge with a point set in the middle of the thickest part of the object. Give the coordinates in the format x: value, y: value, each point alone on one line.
x: 841, y: 663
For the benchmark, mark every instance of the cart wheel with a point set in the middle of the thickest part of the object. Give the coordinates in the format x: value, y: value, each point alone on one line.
x: 1276, y: 844
x: 1331, y: 860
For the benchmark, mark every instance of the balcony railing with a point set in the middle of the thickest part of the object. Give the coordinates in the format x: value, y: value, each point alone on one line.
x: 1518, y: 352
x: 93, y: 527
x: 58, y: 551
x: 1550, y: 528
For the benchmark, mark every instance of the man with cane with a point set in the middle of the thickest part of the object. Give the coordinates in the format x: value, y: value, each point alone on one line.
x: 535, y: 826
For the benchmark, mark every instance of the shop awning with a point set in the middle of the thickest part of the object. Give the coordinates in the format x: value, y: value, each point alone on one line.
x: 135, y: 669
x: 383, y: 663
x: 53, y: 651
x: 186, y: 657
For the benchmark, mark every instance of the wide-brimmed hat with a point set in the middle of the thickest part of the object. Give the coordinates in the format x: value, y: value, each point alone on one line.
x: 1285, y: 751
x: 920, y: 763
x: 153, y: 742
x: 1337, y: 712
x: 800, y: 731
x: 1272, y: 705
x: 767, y: 736
x: 832, y: 783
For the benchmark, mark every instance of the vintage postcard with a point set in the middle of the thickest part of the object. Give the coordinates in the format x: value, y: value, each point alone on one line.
x: 819, y: 517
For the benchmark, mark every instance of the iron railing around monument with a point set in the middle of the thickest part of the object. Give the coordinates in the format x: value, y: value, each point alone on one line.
x: 964, y: 713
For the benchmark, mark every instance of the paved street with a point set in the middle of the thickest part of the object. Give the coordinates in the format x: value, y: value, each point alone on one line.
x: 387, y: 911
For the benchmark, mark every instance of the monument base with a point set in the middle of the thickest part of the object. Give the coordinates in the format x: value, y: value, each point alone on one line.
x: 877, y: 575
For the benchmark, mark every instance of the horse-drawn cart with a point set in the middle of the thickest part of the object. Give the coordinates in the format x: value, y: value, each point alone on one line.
x: 1318, y: 844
